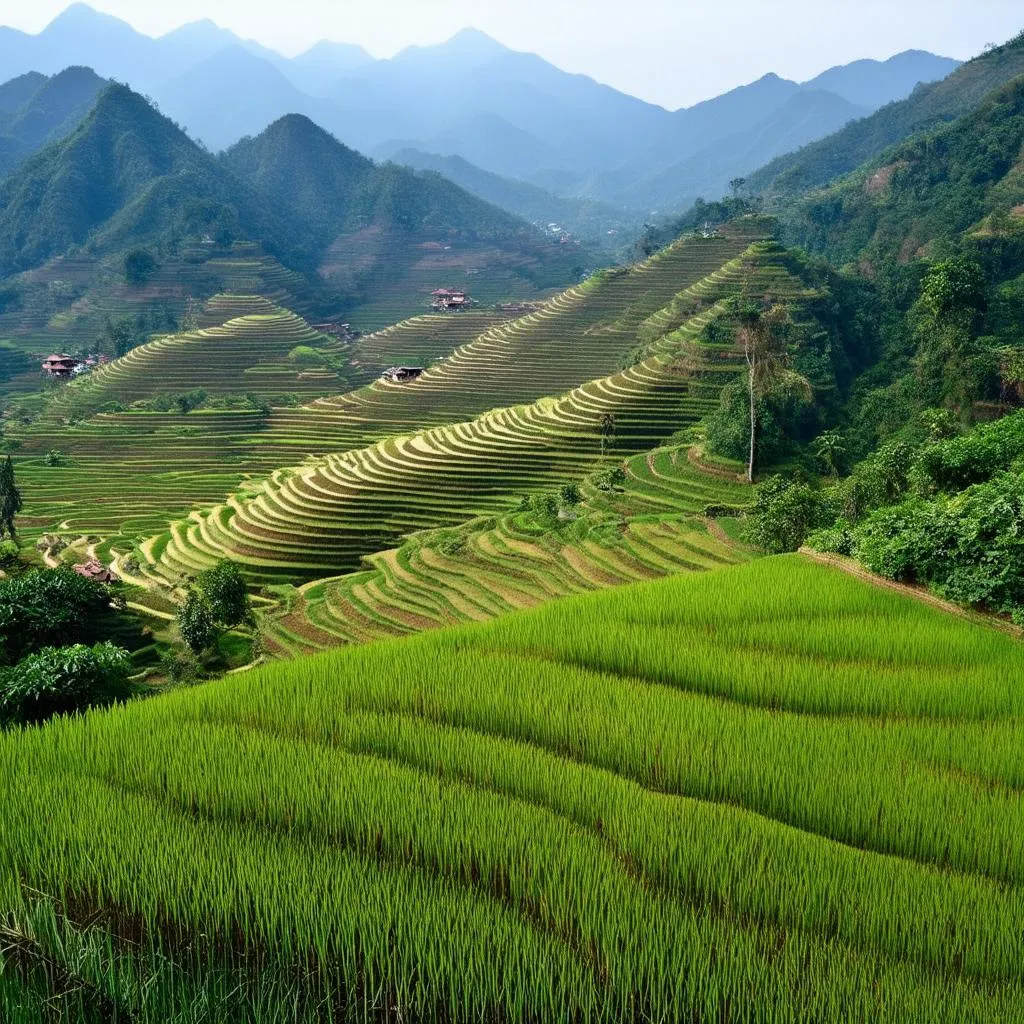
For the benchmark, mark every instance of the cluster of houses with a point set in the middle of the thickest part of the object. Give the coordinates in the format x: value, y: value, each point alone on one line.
x: 64, y: 367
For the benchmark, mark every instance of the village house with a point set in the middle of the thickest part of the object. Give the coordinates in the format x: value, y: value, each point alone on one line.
x: 61, y: 367
x: 402, y: 374
x: 451, y: 300
x: 96, y: 571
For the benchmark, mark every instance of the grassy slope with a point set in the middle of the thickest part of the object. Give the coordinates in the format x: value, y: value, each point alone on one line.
x: 772, y: 793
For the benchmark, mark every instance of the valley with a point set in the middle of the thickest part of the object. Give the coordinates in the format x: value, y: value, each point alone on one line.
x: 422, y: 531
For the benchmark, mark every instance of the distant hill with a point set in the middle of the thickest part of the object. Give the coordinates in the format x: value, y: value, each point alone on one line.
x: 307, y: 174
x: 53, y: 109
x: 508, y: 113
x: 251, y: 92
x: 966, y: 176
x: 18, y: 91
x: 874, y: 83
x: 127, y: 176
x: 927, y: 108
x: 807, y: 114
x: 589, y: 219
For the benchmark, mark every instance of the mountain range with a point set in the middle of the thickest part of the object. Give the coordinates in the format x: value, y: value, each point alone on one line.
x: 510, y: 114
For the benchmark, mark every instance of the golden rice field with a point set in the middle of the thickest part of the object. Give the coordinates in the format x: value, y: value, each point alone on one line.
x: 771, y: 793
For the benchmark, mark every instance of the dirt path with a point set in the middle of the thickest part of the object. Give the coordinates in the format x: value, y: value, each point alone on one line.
x: 852, y: 568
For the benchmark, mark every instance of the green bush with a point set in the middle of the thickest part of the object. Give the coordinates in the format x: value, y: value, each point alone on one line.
x: 63, y: 680
x: 46, y: 608
x: 225, y: 591
x: 972, y: 458
x: 969, y: 547
x: 785, y: 513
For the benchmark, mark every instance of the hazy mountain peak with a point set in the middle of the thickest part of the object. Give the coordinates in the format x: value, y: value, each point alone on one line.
x: 79, y: 16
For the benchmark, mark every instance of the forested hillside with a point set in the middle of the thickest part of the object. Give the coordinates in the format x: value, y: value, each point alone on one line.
x: 928, y: 107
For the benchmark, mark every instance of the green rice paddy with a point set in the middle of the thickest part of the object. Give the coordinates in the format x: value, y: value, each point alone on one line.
x: 771, y: 793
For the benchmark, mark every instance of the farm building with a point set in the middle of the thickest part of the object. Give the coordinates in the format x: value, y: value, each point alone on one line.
x: 61, y: 366
x: 401, y: 374
x: 451, y: 300
x: 96, y: 571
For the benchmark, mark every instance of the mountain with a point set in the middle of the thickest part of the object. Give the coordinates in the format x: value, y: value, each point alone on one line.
x: 304, y: 172
x: 874, y: 83
x: 966, y: 176
x: 17, y: 92
x: 927, y: 107
x: 596, y: 223
x: 509, y: 113
x: 83, y: 36
x: 56, y: 107
x: 126, y: 176
x: 250, y: 92
x: 807, y: 114
x: 318, y: 69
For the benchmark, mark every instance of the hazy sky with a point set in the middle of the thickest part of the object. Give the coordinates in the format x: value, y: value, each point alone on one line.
x: 673, y: 52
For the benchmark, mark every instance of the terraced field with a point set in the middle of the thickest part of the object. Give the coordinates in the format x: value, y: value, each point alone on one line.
x: 246, y: 355
x: 399, y: 271
x: 46, y: 320
x: 326, y: 516
x: 651, y: 526
x: 129, y: 474
x: 772, y: 794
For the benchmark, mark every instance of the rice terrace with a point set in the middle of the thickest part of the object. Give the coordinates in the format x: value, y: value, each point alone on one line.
x: 478, y: 546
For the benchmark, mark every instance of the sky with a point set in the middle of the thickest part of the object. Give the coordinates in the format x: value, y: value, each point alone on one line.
x: 672, y: 52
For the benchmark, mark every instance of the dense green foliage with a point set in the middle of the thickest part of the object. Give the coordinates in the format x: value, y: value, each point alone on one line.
x: 753, y: 795
x: 11, y: 502
x: 46, y: 608
x: 61, y: 681
x: 944, y: 511
x: 36, y: 110
x: 127, y: 177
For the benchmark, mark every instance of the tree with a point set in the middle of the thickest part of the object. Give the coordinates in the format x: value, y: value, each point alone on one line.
x: 947, y: 319
x: 736, y: 186
x: 121, y: 335
x: 10, y: 499
x: 62, y: 681
x: 569, y: 495
x: 53, y: 457
x: 196, y: 623
x: 607, y: 431
x: 763, y: 337
x: 139, y: 266
x: 46, y: 608
x: 784, y: 514
x: 226, y: 594
x: 829, y: 450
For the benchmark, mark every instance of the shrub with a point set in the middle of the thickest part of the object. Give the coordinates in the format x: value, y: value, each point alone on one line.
x: 45, y: 608
x: 64, y: 680
x: 9, y: 551
x: 784, y: 514
x: 53, y: 457
x: 569, y: 495
x: 975, y: 457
